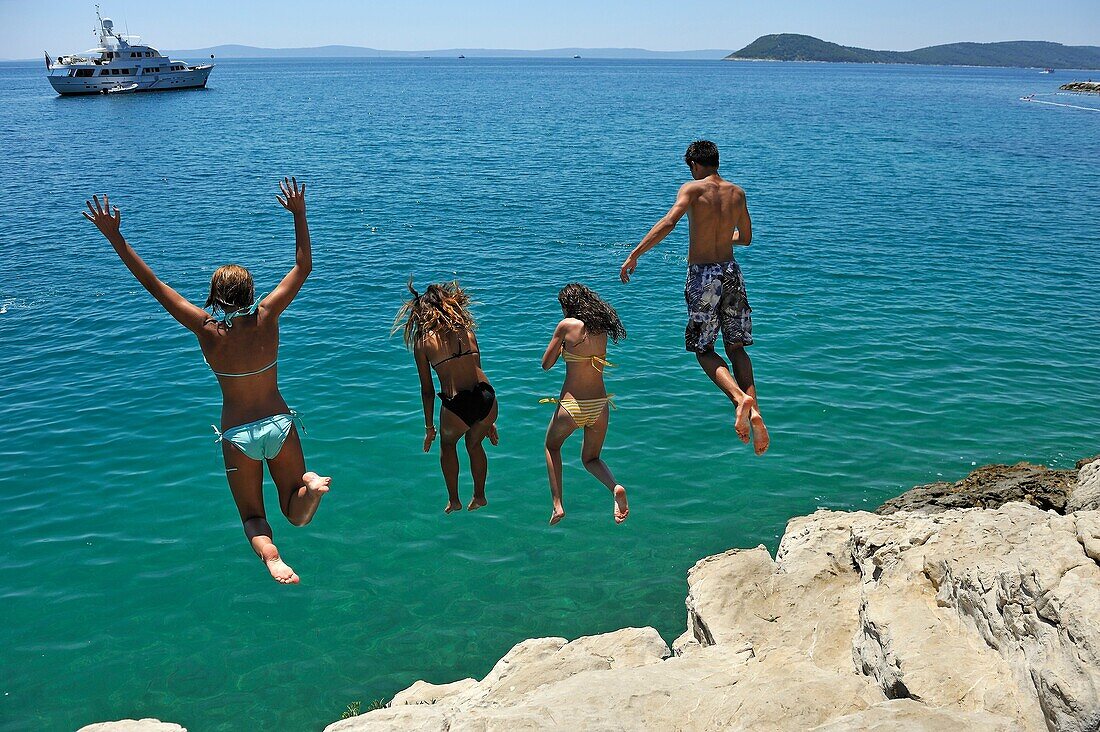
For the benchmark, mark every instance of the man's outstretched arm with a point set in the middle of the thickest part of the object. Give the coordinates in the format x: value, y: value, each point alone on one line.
x: 660, y: 230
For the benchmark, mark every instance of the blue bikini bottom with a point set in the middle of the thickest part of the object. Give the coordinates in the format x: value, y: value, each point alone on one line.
x: 262, y: 439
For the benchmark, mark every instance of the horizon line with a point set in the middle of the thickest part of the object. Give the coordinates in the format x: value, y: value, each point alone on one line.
x: 455, y: 49
x: 557, y: 49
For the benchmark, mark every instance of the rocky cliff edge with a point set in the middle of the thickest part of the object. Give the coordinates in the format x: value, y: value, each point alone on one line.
x: 923, y: 619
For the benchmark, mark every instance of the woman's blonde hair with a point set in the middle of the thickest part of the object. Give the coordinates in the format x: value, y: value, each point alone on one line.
x: 441, y: 309
x: 231, y: 288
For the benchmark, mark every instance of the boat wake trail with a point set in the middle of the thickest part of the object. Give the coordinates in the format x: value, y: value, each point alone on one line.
x: 1032, y: 98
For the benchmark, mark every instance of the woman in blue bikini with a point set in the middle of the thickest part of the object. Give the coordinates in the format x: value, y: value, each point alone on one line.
x: 240, y: 340
x: 439, y: 329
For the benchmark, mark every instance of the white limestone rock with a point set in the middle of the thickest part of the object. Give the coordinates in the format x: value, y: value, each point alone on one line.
x: 133, y: 725
x: 421, y: 692
x: 1085, y: 496
x: 906, y: 715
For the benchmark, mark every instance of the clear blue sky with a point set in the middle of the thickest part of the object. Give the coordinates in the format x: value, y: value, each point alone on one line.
x: 63, y: 26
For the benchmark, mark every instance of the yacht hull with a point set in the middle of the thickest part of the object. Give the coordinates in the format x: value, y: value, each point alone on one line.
x: 165, y: 81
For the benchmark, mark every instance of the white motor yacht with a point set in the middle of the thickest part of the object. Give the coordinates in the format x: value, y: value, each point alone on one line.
x: 121, y: 63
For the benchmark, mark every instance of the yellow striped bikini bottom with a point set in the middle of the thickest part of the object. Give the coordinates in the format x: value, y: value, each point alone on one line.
x: 583, y: 411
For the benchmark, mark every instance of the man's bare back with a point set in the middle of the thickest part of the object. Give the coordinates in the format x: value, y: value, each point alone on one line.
x: 718, y: 219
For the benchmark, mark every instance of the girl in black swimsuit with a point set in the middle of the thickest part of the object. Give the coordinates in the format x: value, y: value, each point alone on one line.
x: 439, y: 329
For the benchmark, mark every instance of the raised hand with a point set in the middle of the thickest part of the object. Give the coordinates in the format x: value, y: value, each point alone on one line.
x: 101, y: 216
x: 294, y: 196
x: 628, y: 269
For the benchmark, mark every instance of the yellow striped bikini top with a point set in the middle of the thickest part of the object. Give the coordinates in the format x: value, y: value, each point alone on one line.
x: 598, y: 362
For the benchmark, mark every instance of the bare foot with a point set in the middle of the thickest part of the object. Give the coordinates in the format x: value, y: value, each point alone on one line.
x: 477, y: 503
x: 760, y: 438
x: 741, y: 420
x: 453, y: 506
x: 621, y: 509
x: 558, y: 515
x: 280, y: 572
x: 494, y: 436
x: 316, y: 485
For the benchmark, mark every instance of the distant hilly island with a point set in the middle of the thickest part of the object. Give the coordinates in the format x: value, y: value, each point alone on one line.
x: 777, y: 47
x: 1026, y: 54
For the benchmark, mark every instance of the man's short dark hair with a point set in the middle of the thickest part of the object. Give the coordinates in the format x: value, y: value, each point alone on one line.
x: 702, y: 152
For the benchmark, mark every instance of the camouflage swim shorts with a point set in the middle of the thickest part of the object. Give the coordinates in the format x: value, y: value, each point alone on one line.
x: 716, y: 298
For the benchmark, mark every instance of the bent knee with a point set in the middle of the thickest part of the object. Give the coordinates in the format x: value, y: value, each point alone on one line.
x: 299, y: 521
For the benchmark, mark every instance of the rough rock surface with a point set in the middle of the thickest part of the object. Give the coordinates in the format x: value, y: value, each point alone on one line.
x: 990, y: 486
x: 422, y: 692
x: 133, y: 725
x: 1086, y: 494
x: 1082, y: 86
x: 965, y: 619
x: 905, y: 715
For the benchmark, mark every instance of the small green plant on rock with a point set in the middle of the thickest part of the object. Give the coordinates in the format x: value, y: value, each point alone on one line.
x: 352, y: 710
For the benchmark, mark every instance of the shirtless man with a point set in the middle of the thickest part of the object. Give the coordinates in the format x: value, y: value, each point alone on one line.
x: 715, y: 291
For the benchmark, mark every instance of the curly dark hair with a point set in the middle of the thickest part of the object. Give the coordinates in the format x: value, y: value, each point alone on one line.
x: 702, y: 152
x: 580, y: 302
x: 442, y: 309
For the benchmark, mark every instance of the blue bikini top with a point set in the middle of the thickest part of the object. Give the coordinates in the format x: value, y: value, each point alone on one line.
x: 220, y: 316
x: 226, y: 319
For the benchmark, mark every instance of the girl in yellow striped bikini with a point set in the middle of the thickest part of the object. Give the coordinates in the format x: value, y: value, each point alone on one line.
x: 581, y: 341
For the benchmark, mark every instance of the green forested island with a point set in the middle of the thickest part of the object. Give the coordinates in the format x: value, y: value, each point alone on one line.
x: 1040, y: 54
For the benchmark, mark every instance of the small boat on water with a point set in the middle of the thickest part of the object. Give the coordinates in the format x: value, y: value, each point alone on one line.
x: 121, y: 63
x: 121, y: 88
x: 1047, y: 71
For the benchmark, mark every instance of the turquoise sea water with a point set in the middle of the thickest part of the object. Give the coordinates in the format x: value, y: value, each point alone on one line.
x: 923, y: 277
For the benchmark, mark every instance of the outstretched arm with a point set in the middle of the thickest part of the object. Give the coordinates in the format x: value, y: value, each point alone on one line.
x: 427, y: 394
x: 660, y: 230
x: 554, y: 349
x: 293, y: 200
x: 188, y: 314
x: 742, y: 234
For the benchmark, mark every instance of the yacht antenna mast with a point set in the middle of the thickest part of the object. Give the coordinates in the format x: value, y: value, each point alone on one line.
x: 101, y: 31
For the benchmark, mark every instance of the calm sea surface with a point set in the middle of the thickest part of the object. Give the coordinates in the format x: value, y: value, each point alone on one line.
x: 923, y: 274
